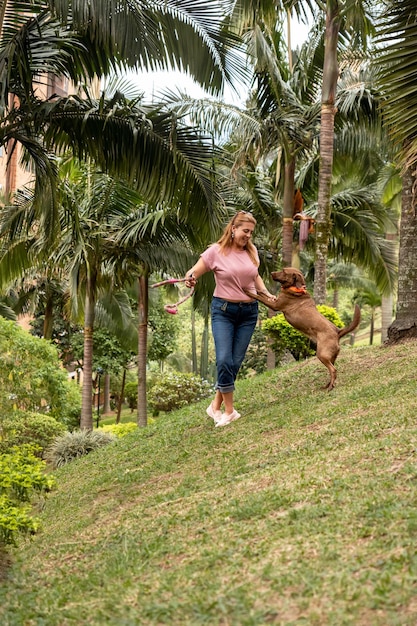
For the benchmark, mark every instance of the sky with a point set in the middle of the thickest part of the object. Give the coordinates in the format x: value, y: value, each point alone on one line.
x: 152, y: 83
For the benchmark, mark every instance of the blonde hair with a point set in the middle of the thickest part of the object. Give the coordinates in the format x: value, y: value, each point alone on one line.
x: 226, y: 240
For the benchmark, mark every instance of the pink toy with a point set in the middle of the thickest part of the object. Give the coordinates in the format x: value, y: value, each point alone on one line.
x: 173, y: 308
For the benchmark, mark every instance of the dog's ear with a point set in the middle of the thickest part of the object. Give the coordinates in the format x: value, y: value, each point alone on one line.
x: 299, y: 280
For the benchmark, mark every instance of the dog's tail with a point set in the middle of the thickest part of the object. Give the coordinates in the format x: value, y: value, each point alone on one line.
x: 354, y: 323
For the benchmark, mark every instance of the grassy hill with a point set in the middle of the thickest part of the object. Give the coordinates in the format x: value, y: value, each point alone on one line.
x: 304, y: 511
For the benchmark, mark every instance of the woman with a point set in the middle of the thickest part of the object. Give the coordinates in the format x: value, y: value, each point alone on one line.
x: 234, y: 261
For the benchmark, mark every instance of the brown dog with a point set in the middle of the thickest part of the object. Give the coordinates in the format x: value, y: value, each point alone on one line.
x: 300, y: 311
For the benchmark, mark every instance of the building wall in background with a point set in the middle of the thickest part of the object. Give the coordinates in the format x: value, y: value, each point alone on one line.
x: 14, y: 174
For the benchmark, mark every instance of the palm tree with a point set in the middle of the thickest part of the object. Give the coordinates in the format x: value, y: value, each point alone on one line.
x: 47, y: 39
x: 370, y: 297
x: 363, y: 212
x: 284, y: 101
x: 396, y: 63
x: 279, y: 120
x: 30, y: 280
x: 342, y: 275
x: 353, y: 18
x: 358, y: 216
x: 359, y: 224
x: 146, y: 146
x: 90, y: 202
x: 265, y: 140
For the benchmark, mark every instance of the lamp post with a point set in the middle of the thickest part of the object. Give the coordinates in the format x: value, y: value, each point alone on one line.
x: 99, y: 373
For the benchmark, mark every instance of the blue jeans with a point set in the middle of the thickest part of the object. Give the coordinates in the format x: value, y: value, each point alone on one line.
x: 232, y: 325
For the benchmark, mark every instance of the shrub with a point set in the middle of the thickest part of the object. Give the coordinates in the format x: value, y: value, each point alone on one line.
x: 21, y: 427
x: 15, y: 519
x: 131, y: 394
x: 21, y: 475
x: 32, y: 378
x: 174, y: 390
x: 286, y: 337
x: 120, y: 430
x: 73, y: 445
x: 70, y: 410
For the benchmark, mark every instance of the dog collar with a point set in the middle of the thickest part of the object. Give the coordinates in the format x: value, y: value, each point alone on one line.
x: 297, y: 289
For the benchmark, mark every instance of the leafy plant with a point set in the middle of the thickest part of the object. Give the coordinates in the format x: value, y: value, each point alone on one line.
x: 109, y: 354
x: 286, y: 337
x: 131, y: 394
x: 32, y: 376
x: 121, y: 429
x: 73, y: 445
x: 163, y: 334
x: 15, y: 520
x: 174, y: 390
x: 21, y: 475
x: 24, y: 427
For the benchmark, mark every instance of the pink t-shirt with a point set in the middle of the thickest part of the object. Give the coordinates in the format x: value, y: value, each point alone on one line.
x: 232, y: 271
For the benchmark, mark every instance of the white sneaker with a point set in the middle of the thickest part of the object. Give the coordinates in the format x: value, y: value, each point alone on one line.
x: 216, y: 415
x: 226, y: 419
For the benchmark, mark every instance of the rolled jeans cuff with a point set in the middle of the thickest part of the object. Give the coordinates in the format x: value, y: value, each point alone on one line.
x: 227, y: 389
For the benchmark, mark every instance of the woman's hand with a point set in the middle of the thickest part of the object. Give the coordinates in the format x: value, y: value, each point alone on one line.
x: 190, y: 280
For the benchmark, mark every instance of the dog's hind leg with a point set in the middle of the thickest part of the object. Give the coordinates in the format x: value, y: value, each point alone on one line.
x: 329, y: 363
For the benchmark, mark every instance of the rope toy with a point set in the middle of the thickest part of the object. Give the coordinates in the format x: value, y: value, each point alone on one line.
x: 173, y: 308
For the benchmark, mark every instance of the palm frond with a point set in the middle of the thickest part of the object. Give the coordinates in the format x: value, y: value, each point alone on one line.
x: 164, y: 159
x: 358, y: 235
x: 157, y: 34
x: 395, y: 57
x: 7, y: 312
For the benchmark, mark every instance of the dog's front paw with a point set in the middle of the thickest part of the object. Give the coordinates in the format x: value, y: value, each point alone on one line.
x: 266, y: 294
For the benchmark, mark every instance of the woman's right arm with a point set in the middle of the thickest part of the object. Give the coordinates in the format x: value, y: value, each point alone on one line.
x: 195, y: 272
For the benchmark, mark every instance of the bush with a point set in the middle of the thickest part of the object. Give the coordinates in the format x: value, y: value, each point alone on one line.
x: 174, y: 390
x: 21, y: 475
x: 32, y: 378
x: 20, y: 427
x: 286, y: 337
x: 73, y: 445
x: 131, y: 394
x: 120, y: 430
x: 70, y: 410
x: 15, y: 519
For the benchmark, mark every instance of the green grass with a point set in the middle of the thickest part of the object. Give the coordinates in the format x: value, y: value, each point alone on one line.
x: 303, y: 512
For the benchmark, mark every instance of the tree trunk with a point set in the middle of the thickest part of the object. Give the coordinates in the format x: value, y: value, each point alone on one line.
x: 122, y: 393
x: 386, y: 309
x: 288, y: 210
x: 204, y: 348
x: 372, y: 327
x: 405, y: 323
x: 142, y: 418
x: 328, y: 111
x: 106, y: 399
x: 193, y: 343
x: 48, y: 317
x: 86, y: 422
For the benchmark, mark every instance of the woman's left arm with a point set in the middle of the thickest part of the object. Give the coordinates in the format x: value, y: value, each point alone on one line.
x: 261, y: 288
